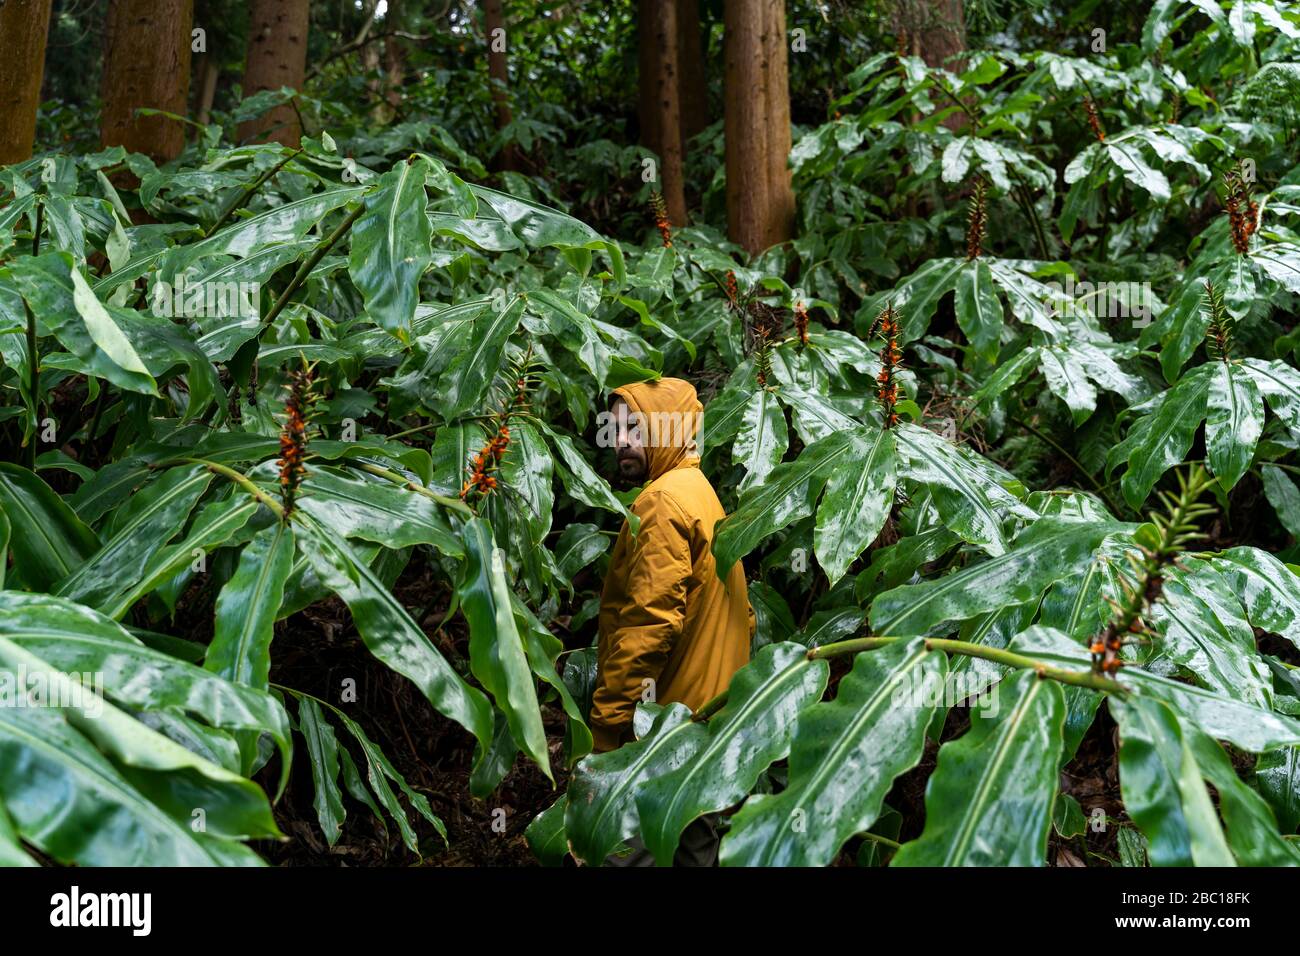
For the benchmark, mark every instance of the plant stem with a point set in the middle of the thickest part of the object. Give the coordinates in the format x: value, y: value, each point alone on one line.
x: 995, y: 654
x: 33, y: 356
x: 243, y: 481
x: 1031, y: 212
x: 883, y: 841
x: 455, y: 504
x: 249, y: 191
x: 1075, y: 462
x: 310, y: 263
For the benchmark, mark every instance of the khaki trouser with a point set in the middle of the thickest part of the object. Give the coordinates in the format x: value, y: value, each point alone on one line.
x: 697, y: 847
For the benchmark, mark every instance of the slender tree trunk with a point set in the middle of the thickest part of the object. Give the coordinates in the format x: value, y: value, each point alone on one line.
x: 760, y: 203
x: 780, y: 196
x: 146, y: 65
x: 934, y: 30
x: 370, y: 55
x: 23, y: 26
x: 499, y: 74
x: 394, y: 57
x: 208, y: 77
x: 693, y: 90
x: 277, y: 56
x: 663, y: 32
x: 647, y: 70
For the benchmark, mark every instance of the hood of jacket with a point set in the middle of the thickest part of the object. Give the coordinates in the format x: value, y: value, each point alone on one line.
x: 668, y: 415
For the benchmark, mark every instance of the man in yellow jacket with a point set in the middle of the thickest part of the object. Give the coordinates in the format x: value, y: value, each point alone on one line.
x: 670, y: 629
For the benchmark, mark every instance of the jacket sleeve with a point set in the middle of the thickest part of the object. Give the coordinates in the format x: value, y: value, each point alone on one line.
x: 648, y: 623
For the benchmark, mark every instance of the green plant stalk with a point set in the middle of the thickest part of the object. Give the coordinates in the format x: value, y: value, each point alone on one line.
x: 883, y: 841
x: 33, y: 356
x: 995, y: 654
x: 455, y: 504
x: 1101, y: 490
x: 248, y: 192
x: 310, y: 263
x: 243, y: 481
x: 1027, y: 204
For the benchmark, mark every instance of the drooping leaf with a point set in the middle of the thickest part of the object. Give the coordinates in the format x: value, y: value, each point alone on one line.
x: 844, y: 756
x: 740, y: 741
x: 990, y: 800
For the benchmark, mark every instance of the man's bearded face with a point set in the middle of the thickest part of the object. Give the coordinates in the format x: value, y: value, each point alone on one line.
x: 632, y: 463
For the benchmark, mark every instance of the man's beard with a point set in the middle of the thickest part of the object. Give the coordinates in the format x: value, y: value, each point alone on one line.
x: 632, y: 470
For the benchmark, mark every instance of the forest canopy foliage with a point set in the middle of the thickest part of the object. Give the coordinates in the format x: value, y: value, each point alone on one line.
x: 304, y: 514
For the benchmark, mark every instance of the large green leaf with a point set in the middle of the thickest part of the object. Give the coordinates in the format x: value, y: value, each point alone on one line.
x: 1047, y: 551
x: 966, y: 490
x: 60, y: 297
x: 391, y: 635
x: 1277, y: 775
x: 247, y: 607
x: 357, y: 506
x: 979, y: 311
x: 762, y: 439
x: 739, y: 742
x: 391, y: 246
x: 1164, y: 794
x: 1162, y: 438
x: 323, y: 751
x: 213, y: 526
x: 1266, y: 588
x: 580, y: 480
x: 601, y: 810
x: 1234, y: 420
x: 1252, y: 828
x: 79, y: 640
x: 496, y: 648
x: 546, y: 836
x: 143, y: 526
x: 1202, y: 628
x: 787, y: 495
x: 856, y: 503
x: 844, y: 756
x: 48, y: 540
x: 1279, y: 383
x: 474, y: 352
x: 989, y: 802
x: 67, y: 799
x: 173, y: 779
x: 1241, y: 724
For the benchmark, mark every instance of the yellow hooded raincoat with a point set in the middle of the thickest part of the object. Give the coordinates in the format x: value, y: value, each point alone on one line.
x: 670, y: 629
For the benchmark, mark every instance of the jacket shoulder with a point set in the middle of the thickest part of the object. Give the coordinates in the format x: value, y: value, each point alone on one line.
x: 686, y: 487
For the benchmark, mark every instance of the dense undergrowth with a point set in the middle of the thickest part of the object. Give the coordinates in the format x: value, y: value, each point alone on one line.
x: 301, y: 457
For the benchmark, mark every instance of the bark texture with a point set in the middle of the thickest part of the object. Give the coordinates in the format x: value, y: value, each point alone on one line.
x: 277, y: 56
x: 23, y: 28
x: 146, y: 65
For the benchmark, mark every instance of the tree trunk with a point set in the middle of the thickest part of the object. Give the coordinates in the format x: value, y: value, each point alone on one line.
x: 370, y: 55
x: 208, y: 72
x: 693, y: 89
x: 499, y: 74
x: 780, y: 197
x: 146, y: 65
x: 23, y: 26
x: 394, y: 57
x: 692, y: 92
x: 760, y: 203
x: 934, y: 30
x: 666, y: 84
x: 277, y: 56
x: 647, y: 70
